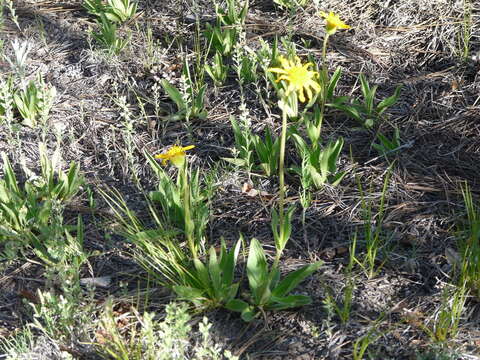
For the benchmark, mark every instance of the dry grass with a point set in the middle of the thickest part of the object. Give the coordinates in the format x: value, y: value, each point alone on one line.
x: 414, y: 43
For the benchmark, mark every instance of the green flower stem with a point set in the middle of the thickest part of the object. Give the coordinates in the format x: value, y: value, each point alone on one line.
x: 281, y: 178
x: 324, y: 86
x: 186, y: 206
x: 324, y: 53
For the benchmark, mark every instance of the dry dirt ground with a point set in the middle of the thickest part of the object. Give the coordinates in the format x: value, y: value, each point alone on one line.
x: 413, y: 43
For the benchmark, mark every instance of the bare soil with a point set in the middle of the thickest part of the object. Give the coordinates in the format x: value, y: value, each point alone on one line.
x: 413, y: 43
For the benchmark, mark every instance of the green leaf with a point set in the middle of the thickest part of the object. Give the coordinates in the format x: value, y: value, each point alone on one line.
x: 199, y: 98
x: 318, y: 179
x: 174, y: 94
x: 274, y: 277
x: 334, y: 154
x: 248, y: 313
x: 189, y: 293
x: 350, y: 110
x: 257, y: 269
x: 313, y: 132
x: 94, y: 7
x: 202, y: 273
x: 333, y: 83
x: 112, y: 16
x: 9, y: 177
x: 235, y: 161
x: 339, y: 100
x: 229, y: 261
x: 280, y: 242
x: 274, y: 223
x: 369, y: 100
x: 337, y: 178
x: 294, y: 278
x: 288, y: 302
x: 301, y: 144
x: 243, y: 12
x: 288, y: 224
x: 237, y: 305
x: 214, y: 270
x: 386, y: 103
x: 365, y: 87
x: 230, y: 292
x: 237, y: 133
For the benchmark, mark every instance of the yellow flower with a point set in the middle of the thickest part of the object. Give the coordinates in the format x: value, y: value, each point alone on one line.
x: 176, y: 154
x: 333, y: 22
x: 298, y: 77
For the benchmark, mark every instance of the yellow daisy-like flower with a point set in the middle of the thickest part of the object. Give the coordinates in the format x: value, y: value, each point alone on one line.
x: 176, y: 154
x: 333, y: 22
x: 298, y: 77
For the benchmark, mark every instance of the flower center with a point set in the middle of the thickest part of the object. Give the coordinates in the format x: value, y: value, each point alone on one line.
x: 298, y: 75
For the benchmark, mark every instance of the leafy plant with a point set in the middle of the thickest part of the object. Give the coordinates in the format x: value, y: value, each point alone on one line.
x: 387, y: 146
x: 15, y: 346
x: 215, y: 279
x: 252, y: 150
x: 55, y: 183
x: 267, y: 151
x: 465, y: 32
x: 34, y: 102
x: 223, y: 40
x: 18, y: 62
x: 246, y: 64
x: 218, y: 71
x: 152, y: 341
x: 244, y: 143
x: 224, y: 35
x: 94, y: 7
x: 367, y: 112
x: 113, y: 10
x: 171, y: 198
x: 60, y: 248
x: 469, y: 245
x: 7, y: 103
x: 447, y: 318
x: 234, y: 14
x: 267, y: 291
x: 319, y: 163
x: 190, y: 104
x: 331, y: 85
x: 208, y: 284
x: 375, y: 239
x: 344, y: 309
x: 360, y: 346
x: 170, y: 339
x: 172, y: 264
x: 108, y: 37
x: 266, y: 56
x: 30, y: 215
x: 291, y: 4
x: 58, y: 316
x: 313, y: 125
x: 122, y: 10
